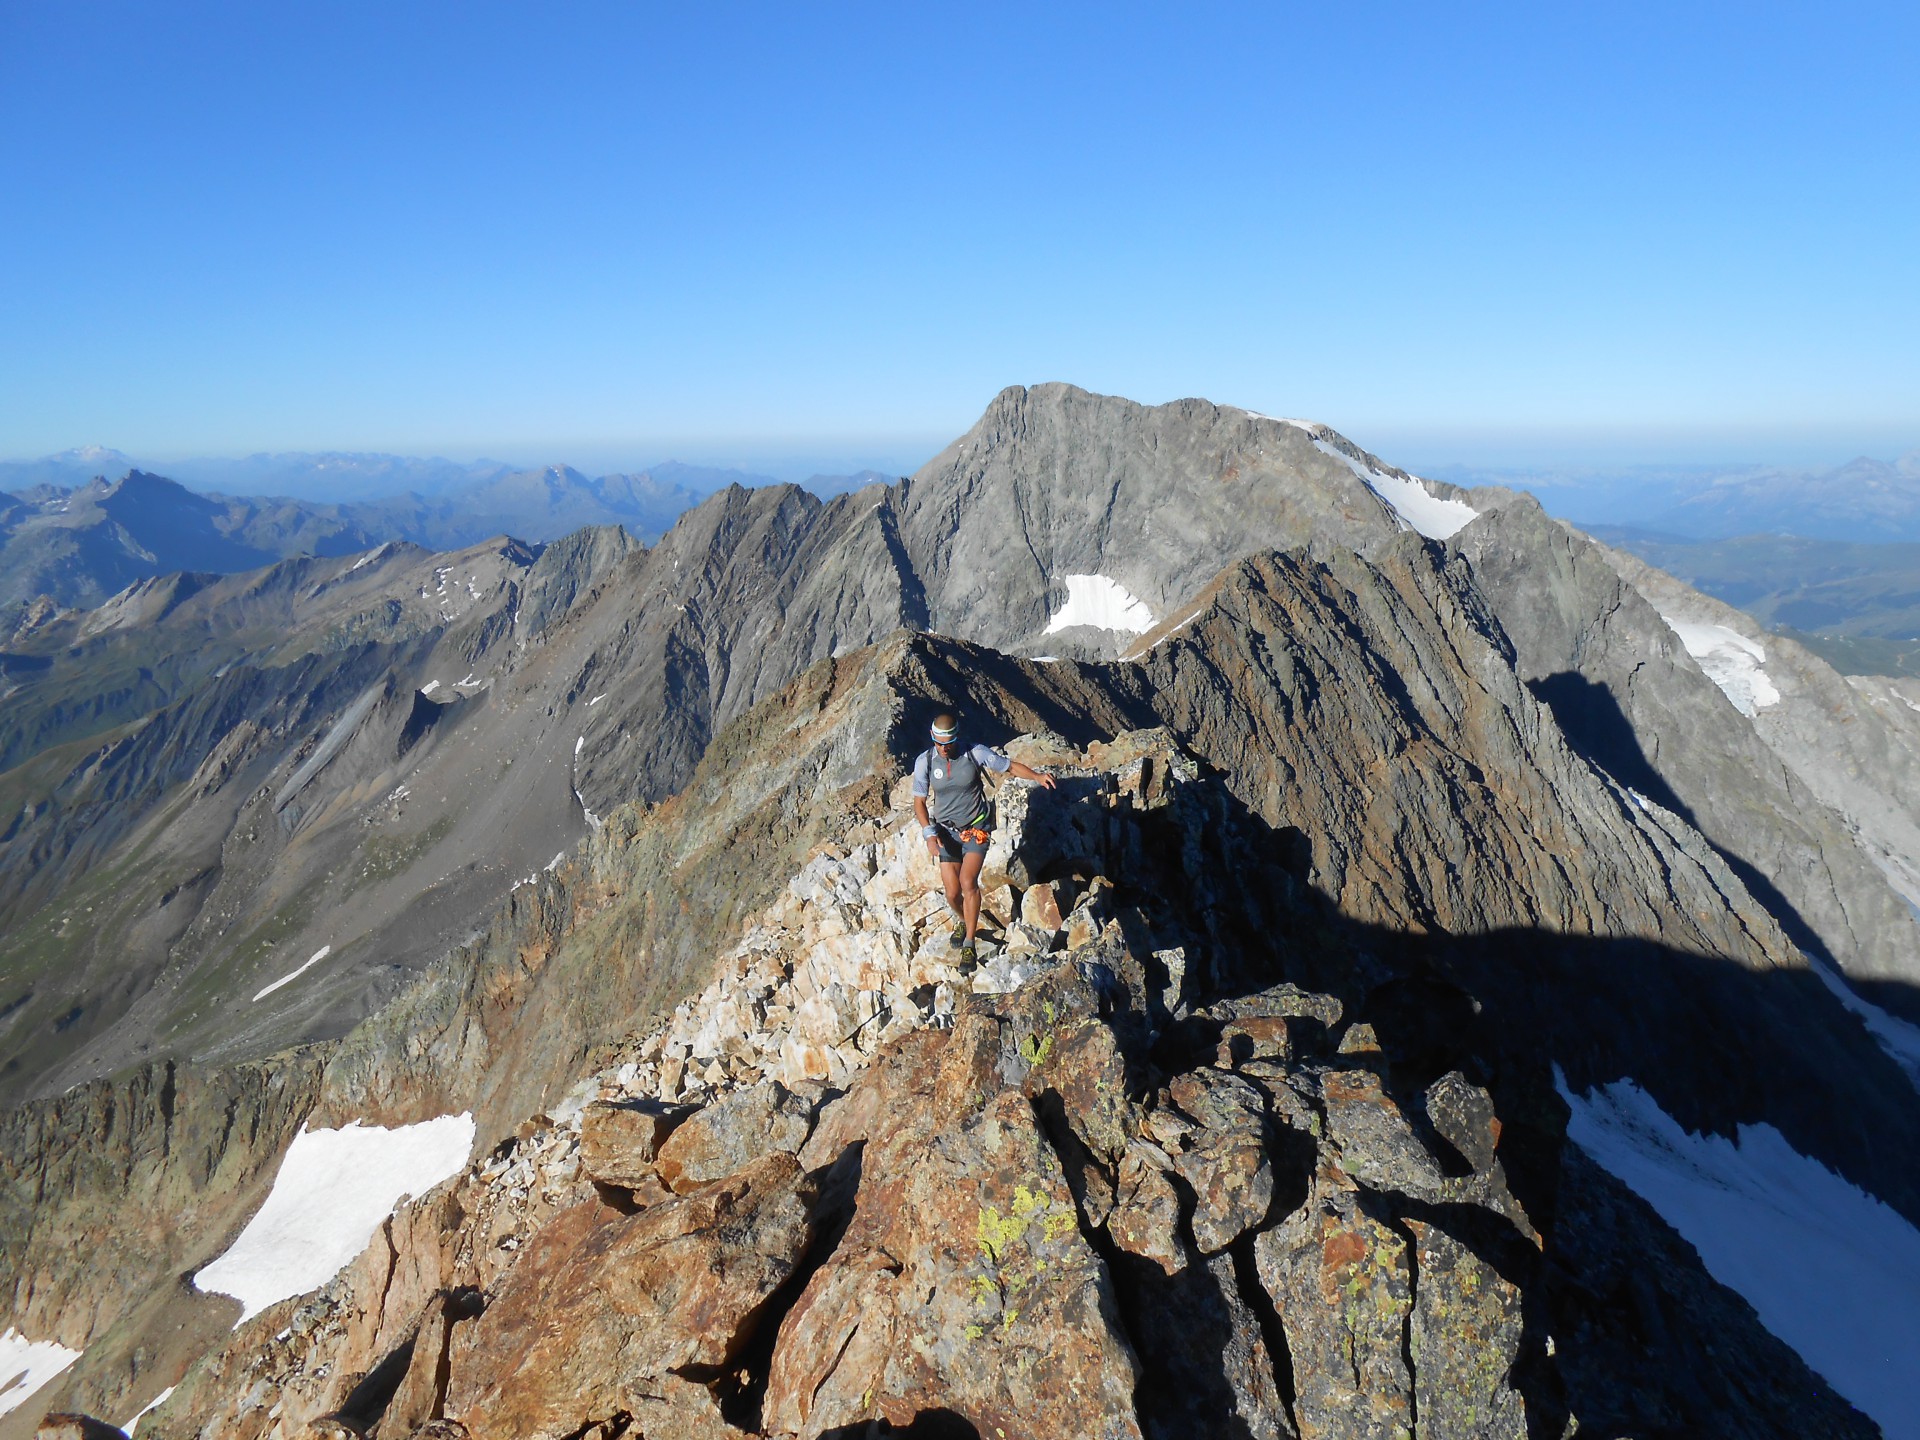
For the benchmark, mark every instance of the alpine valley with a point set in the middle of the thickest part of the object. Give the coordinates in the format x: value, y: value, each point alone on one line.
x: 1466, y: 982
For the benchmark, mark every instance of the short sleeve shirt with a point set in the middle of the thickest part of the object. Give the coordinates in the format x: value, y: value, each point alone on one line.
x: 951, y: 784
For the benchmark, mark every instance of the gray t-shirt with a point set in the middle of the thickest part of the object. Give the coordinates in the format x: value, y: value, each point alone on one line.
x: 951, y: 784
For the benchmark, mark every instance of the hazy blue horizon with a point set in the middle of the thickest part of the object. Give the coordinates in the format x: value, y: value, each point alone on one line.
x: 1416, y: 450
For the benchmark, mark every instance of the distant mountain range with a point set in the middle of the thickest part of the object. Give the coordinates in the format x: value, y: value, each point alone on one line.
x: 1863, y: 501
x: 79, y: 543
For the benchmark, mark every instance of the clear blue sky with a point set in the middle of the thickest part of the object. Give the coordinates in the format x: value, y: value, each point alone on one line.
x: 592, y: 230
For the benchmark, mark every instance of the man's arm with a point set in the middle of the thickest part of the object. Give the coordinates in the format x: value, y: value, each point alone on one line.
x: 920, y: 791
x: 1027, y: 772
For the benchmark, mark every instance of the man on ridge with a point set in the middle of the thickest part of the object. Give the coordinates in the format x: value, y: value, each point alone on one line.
x: 950, y: 801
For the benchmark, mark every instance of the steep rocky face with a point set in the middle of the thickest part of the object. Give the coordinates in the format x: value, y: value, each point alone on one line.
x: 111, y: 1191
x: 980, y: 544
x: 1085, y: 482
x: 1625, y: 690
x: 1853, y: 742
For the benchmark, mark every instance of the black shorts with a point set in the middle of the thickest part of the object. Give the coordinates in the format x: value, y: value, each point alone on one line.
x: 952, y: 846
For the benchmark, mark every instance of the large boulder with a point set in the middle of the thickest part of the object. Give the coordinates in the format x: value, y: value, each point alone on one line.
x: 733, y: 1132
x: 604, y: 1309
x: 619, y: 1139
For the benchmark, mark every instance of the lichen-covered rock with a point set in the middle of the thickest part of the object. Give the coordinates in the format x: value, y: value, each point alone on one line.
x: 1463, y: 1115
x: 1376, y: 1143
x: 1145, y: 1219
x: 1342, y: 1282
x: 1465, y: 1337
x: 1205, y: 1365
x: 1224, y: 1157
x: 963, y: 1282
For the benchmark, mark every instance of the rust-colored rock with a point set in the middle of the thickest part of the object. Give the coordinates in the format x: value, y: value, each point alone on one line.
x: 76, y: 1427
x: 619, y: 1139
x: 604, y: 1305
x: 1040, y: 908
x: 731, y: 1133
x: 422, y: 1394
x: 1146, y: 1211
x: 1257, y: 1037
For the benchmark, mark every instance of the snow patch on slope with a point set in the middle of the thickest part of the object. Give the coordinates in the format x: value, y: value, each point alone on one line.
x: 1899, y: 1038
x: 152, y: 1405
x: 1417, y: 507
x: 1307, y: 425
x: 1828, y: 1268
x: 312, y: 960
x: 1731, y: 661
x: 1102, y: 603
x: 26, y: 1365
x: 333, y: 1190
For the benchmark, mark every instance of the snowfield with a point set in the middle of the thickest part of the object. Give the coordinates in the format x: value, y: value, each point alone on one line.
x: 1829, y: 1269
x: 1418, y: 507
x: 1731, y: 661
x: 1899, y: 1038
x: 152, y: 1405
x: 26, y: 1365
x: 312, y: 960
x: 1102, y: 603
x: 333, y: 1190
x: 1308, y: 425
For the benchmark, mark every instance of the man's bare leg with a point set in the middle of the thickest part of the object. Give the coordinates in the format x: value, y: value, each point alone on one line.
x: 969, y: 879
x: 950, y: 878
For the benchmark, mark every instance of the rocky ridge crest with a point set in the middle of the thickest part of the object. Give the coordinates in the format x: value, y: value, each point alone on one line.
x: 847, y: 1188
